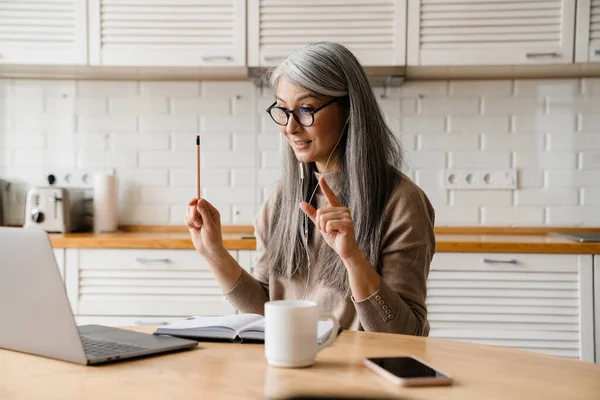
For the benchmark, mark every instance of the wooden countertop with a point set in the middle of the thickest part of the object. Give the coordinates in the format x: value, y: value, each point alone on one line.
x: 239, y: 371
x: 141, y: 240
x: 453, y: 241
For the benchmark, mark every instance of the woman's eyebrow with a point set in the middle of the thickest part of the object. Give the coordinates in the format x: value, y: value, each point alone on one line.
x: 306, y: 96
x: 299, y: 98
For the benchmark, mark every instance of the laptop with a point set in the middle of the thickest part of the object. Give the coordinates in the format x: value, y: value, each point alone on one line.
x: 36, y: 315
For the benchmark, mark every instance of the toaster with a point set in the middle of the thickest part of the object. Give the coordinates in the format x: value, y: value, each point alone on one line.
x: 3, y: 201
x: 54, y: 209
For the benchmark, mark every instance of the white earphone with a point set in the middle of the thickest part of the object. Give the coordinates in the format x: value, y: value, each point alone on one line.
x: 305, y: 222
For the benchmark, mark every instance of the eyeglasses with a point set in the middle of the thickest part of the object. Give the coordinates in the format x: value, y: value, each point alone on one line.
x: 305, y: 116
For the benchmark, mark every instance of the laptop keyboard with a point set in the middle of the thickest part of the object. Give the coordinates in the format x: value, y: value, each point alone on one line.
x: 101, y: 348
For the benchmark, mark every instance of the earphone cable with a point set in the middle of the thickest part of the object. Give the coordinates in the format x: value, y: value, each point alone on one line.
x: 306, y: 217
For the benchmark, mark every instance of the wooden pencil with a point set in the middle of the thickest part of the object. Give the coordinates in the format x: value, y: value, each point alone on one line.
x: 198, y: 166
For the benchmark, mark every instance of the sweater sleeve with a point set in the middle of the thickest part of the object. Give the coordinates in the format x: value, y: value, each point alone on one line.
x: 251, y: 292
x: 398, y: 306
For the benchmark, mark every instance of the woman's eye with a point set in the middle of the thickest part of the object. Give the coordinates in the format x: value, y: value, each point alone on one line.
x: 305, y: 110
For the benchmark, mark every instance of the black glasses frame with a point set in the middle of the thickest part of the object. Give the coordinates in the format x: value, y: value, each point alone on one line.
x: 293, y: 112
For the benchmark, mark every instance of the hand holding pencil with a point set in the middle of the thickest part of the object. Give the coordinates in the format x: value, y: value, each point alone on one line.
x: 204, y: 221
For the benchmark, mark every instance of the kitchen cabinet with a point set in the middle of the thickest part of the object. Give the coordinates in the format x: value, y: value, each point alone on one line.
x: 219, y: 33
x: 59, y: 255
x: 536, y: 302
x: 486, y: 32
x: 373, y: 29
x: 160, y: 33
x: 587, y: 43
x: 141, y: 285
x: 43, y: 32
x: 246, y: 259
x: 597, y: 306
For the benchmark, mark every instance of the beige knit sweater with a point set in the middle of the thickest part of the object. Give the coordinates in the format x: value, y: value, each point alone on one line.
x: 398, y: 306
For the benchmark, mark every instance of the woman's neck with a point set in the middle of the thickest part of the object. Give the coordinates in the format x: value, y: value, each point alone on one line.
x: 333, y: 165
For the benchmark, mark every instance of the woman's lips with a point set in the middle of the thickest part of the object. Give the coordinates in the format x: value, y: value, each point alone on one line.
x: 302, y: 144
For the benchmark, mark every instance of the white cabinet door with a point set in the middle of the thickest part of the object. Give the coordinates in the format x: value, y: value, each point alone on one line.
x: 488, y: 32
x: 597, y: 306
x: 375, y: 30
x: 536, y: 302
x: 59, y: 255
x: 166, y: 33
x: 43, y: 32
x: 587, y: 31
x: 246, y: 259
x: 140, y: 283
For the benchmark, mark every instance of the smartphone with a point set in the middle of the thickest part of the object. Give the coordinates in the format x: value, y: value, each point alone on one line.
x: 408, y: 371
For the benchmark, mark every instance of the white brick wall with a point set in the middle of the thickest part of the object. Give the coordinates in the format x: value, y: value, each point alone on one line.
x: 515, y: 216
x: 170, y: 89
x: 478, y: 124
x: 590, y: 160
x: 480, y: 88
x: 549, y: 130
x: 479, y: 159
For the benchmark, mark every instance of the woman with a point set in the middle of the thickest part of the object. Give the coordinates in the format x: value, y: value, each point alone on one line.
x: 343, y: 227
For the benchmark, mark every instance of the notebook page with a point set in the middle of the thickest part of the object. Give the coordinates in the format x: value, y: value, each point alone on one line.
x: 230, y: 322
x: 323, y: 330
x: 256, y: 326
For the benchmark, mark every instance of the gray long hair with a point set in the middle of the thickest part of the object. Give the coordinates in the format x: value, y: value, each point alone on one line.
x: 369, y: 157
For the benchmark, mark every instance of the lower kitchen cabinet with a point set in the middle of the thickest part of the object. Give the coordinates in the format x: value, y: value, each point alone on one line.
x: 131, y: 286
x: 597, y: 306
x: 59, y: 255
x: 246, y: 259
x: 536, y: 302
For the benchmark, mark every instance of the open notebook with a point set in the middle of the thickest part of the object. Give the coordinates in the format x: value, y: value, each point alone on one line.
x: 235, y: 328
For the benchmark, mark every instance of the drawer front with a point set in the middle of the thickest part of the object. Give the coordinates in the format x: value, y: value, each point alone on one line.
x: 147, y: 283
x: 504, y: 262
x: 523, y: 301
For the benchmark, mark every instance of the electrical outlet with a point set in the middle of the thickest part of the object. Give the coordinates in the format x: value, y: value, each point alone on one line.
x: 480, y: 179
x: 69, y: 178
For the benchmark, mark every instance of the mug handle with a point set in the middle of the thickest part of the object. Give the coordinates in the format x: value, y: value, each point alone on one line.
x: 334, y: 331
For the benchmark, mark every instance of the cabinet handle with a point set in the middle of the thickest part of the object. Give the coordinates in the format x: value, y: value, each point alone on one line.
x: 494, y: 261
x: 152, y: 260
x: 542, y: 55
x: 213, y: 58
x: 145, y: 323
x: 274, y: 58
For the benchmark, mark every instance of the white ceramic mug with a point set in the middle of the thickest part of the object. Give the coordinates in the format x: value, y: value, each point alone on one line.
x: 291, y: 332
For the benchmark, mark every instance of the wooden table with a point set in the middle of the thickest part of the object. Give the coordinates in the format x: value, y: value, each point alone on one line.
x: 239, y: 371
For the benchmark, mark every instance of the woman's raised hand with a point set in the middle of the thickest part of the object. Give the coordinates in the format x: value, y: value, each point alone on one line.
x: 334, y: 223
x: 204, y: 222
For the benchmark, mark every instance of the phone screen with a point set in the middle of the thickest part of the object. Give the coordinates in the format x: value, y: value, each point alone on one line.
x: 407, y: 367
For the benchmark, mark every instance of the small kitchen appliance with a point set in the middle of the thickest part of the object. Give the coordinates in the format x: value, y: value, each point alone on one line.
x: 54, y: 209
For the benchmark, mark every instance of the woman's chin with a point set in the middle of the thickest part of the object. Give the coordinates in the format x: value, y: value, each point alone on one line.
x: 303, y: 157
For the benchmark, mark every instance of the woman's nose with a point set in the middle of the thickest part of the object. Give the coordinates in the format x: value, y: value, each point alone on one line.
x: 292, y: 126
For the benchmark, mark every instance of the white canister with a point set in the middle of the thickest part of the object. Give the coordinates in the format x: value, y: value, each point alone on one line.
x: 106, y: 202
